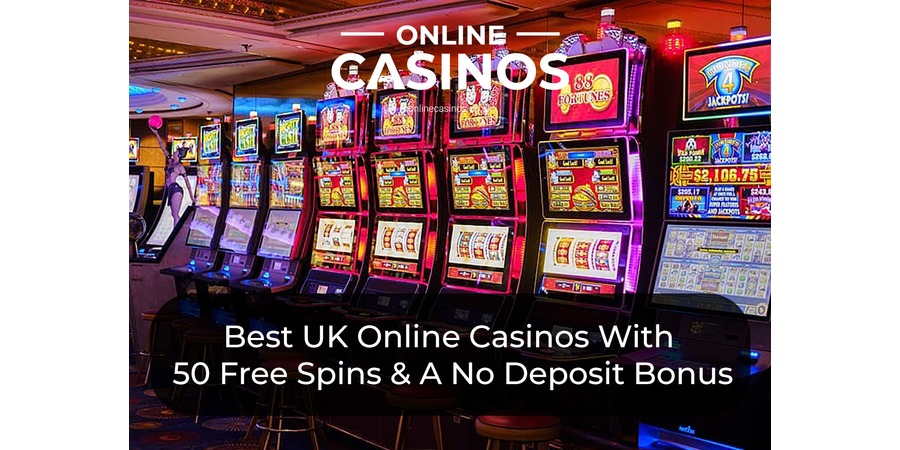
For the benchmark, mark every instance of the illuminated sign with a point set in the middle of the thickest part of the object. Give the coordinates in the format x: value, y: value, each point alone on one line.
x: 728, y: 80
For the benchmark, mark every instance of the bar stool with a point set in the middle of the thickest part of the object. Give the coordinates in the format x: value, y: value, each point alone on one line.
x: 280, y: 410
x: 181, y: 325
x: 518, y: 431
x: 203, y: 344
x: 270, y: 354
x: 420, y: 398
x: 154, y: 317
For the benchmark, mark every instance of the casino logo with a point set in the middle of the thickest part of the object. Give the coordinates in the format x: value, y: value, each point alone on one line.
x: 728, y: 74
x: 595, y: 90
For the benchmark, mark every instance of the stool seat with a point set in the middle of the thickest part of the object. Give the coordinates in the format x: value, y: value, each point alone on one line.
x: 288, y: 364
x: 186, y: 323
x: 418, y: 397
x: 151, y: 315
x: 519, y: 428
x: 205, y: 335
x: 266, y: 353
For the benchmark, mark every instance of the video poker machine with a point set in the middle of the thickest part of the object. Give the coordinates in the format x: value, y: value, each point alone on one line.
x: 341, y: 224
x: 711, y: 285
x: 592, y: 191
x: 485, y: 174
x: 285, y: 233
x: 409, y: 222
x: 140, y: 179
x: 247, y: 203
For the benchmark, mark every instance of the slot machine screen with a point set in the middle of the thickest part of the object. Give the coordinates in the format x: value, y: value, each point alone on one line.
x: 480, y: 181
x: 289, y: 132
x: 244, y: 185
x: 246, y: 134
x: 335, y: 243
x: 279, y: 234
x: 336, y: 182
x: 134, y: 186
x: 203, y: 226
x: 239, y: 224
x: 210, y: 142
x: 165, y: 224
x: 397, y: 247
x: 336, y: 123
x: 479, y: 255
x: 185, y: 148
x: 399, y: 181
x: 478, y: 111
x: 209, y: 185
x: 728, y: 80
x: 720, y: 174
x: 698, y: 263
x: 582, y: 259
x: 595, y: 96
x: 134, y: 149
x: 586, y: 178
x: 286, y: 184
x: 398, y: 116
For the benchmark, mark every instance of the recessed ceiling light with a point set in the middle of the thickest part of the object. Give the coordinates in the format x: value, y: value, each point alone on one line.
x: 139, y: 111
x: 182, y: 99
x: 174, y: 106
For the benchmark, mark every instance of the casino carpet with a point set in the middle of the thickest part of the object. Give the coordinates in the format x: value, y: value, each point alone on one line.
x: 153, y: 426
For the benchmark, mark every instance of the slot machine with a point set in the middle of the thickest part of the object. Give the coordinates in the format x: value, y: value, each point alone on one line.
x: 287, y: 223
x: 140, y: 179
x: 208, y: 221
x: 341, y: 225
x: 711, y: 285
x: 408, y: 225
x: 592, y: 193
x: 485, y: 175
x: 247, y: 203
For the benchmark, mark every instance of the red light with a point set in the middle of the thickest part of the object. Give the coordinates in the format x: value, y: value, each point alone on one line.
x: 430, y: 248
x: 675, y: 41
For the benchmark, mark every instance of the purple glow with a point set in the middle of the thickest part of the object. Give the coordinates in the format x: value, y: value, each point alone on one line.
x: 637, y: 202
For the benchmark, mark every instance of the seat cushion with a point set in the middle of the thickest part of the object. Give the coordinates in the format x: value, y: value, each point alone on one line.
x: 428, y: 397
x: 519, y: 428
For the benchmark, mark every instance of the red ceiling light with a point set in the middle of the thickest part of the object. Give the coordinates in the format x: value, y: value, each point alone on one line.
x: 676, y: 41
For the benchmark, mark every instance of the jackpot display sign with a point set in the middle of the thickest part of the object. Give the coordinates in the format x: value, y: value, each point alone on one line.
x: 585, y: 180
x: 397, y: 246
x: 288, y: 132
x: 134, y: 149
x: 246, y: 137
x: 238, y: 230
x: 244, y: 185
x: 479, y: 181
x: 336, y: 182
x: 210, y: 141
x: 397, y: 115
x: 575, y: 259
x: 336, y: 123
x: 185, y: 148
x: 209, y: 185
x: 698, y: 261
x: 335, y: 242
x: 475, y: 250
x: 721, y: 175
x: 399, y: 182
x: 279, y: 233
x: 478, y: 111
x: 595, y: 96
x: 728, y: 80
x: 286, y: 184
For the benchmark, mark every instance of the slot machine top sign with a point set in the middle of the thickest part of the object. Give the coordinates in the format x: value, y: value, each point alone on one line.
x: 289, y: 132
x: 246, y: 138
x: 721, y: 174
x: 185, y: 148
x: 210, y: 142
x: 398, y: 116
x: 134, y: 149
x: 595, y: 95
x: 728, y: 80
x: 336, y: 123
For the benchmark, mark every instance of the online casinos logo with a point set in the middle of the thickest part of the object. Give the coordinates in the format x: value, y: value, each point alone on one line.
x: 728, y: 74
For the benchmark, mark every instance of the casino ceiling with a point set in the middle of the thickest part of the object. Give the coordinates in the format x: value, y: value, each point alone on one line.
x: 185, y: 56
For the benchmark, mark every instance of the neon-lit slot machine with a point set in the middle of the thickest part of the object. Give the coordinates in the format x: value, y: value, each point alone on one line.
x: 341, y: 225
x: 247, y: 203
x: 287, y: 223
x: 485, y: 145
x: 140, y: 179
x: 711, y: 285
x: 409, y: 224
x: 591, y: 186
x: 208, y: 221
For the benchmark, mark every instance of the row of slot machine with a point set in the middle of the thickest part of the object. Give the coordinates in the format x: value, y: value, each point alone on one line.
x: 463, y: 219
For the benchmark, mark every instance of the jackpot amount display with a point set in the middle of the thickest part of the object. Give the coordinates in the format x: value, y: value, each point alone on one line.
x: 336, y: 183
x: 721, y: 175
x: 479, y: 181
x: 585, y: 180
x: 286, y: 184
x: 729, y: 261
x: 244, y: 185
x: 399, y: 183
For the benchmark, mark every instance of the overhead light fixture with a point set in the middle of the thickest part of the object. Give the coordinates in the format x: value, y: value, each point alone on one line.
x: 174, y: 106
x: 254, y: 114
x: 296, y: 107
x: 182, y: 99
x: 139, y: 111
x: 675, y: 41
